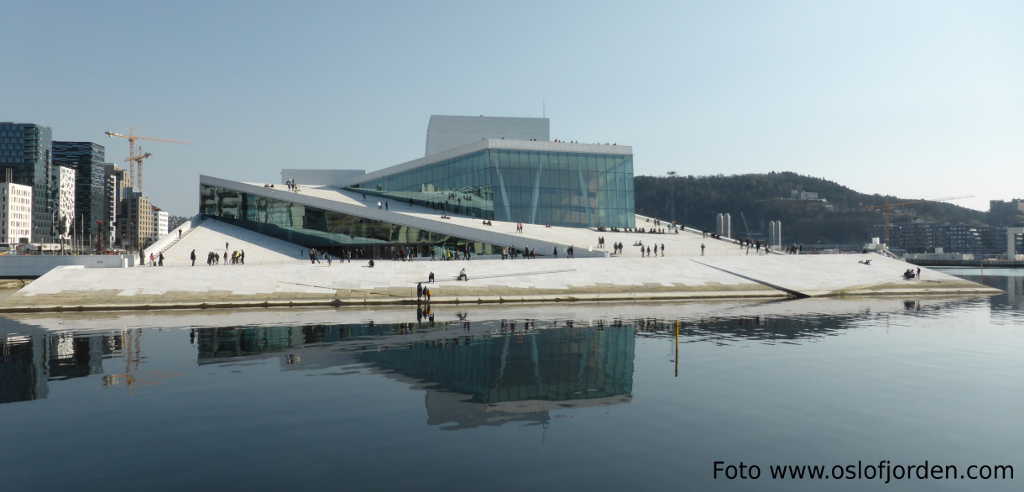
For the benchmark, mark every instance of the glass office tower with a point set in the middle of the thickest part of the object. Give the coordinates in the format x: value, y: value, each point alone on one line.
x: 25, y: 159
x: 560, y: 188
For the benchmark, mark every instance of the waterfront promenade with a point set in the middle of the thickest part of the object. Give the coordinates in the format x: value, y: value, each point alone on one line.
x: 490, y: 281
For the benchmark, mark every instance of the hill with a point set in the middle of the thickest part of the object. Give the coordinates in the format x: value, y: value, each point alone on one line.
x: 812, y: 210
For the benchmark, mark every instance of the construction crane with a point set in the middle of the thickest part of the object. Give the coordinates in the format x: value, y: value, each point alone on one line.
x: 136, y: 156
x: 887, y: 207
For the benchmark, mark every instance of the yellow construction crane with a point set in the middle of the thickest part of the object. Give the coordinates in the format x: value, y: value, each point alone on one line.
x: 136, y: 156
x: 887, y: 207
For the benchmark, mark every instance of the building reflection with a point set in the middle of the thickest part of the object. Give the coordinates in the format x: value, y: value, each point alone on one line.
x: 484, y: 373
x: 31, y: 359
x: 473, y: 373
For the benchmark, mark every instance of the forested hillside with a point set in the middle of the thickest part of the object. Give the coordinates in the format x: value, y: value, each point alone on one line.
x: 843, y: 216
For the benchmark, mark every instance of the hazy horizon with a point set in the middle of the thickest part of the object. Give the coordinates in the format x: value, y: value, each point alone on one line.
x: 914, y: 99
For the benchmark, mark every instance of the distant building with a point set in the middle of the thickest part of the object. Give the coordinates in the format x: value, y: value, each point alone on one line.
x: 90, y: 188
x: 64, y: 216
x: 15, y: 213
x: 115, y: 194
x: 137, y: 221
x: 160, y: 221
x: 174, y: 221
x: 25, y: 155
x: 446, y: 132
x: 1006, y: 213
x: 925, y: 237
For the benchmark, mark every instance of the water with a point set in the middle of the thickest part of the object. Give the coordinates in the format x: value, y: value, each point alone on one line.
x: 579, y: 397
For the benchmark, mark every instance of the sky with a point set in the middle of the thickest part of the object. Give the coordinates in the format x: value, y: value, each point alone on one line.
x: 916, y: 99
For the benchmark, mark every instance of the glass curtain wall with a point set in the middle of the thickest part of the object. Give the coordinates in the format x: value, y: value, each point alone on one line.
x: 553, y: 188
x: 334, y: 232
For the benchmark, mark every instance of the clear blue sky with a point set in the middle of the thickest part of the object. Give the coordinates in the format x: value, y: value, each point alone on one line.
x: 920, y: 99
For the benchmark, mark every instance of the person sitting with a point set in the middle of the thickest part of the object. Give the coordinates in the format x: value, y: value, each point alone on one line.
x: 909, y: 274
x: 463, y: 276
x: 371, y: 263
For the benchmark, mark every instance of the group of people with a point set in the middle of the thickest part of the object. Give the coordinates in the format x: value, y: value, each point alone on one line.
x: 911, y: 274
x: 519, y: 227
x: 510, y: 253
x: 291, y: 185
x: 616, y: 246
x: 316, y: 255
x: 757, y: 245
x: 156, y: 259
x: 645, y: 251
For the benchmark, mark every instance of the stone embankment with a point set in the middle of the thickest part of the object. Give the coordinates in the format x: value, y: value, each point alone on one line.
x: 490, y: 281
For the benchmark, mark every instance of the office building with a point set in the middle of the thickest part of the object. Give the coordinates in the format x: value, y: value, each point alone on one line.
x: 64, y: 203
x: 86, y: 158
x: 26, y: 155
x: 137, y: 221
x: 160, y: 223
x: 1006, y: 213
x: 15, y: 213
x: 926, y: 237
x: 116, y: 192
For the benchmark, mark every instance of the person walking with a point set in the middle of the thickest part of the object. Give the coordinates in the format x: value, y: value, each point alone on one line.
x: 193, y: 257
x: 161, y: 258
x: 225, y: 257
x: 419, y: 291
x: 152, y: 259
x: 241, y: 256
x: 702, y: 249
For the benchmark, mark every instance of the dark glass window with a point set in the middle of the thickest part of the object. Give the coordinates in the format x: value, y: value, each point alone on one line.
x: 328, y: 230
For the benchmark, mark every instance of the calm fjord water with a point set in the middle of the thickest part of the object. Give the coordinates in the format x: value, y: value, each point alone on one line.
x: 596, y: 397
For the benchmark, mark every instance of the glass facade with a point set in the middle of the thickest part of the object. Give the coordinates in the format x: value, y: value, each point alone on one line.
x: 538, y: 187
x: 25, y: 155
x: 330, y: 231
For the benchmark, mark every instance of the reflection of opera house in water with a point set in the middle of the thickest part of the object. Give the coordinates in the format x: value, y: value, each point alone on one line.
x: 469, y: 381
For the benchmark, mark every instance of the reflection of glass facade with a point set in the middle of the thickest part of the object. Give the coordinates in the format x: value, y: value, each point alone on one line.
x: 554, y: 364
x: 539, y: 187
x: 328, y: 230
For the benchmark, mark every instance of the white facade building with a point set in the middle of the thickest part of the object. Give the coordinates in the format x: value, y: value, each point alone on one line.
x: 445, y: 132
x: 161, y: 219
x: 15, y: 213
x: 64, y: 220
